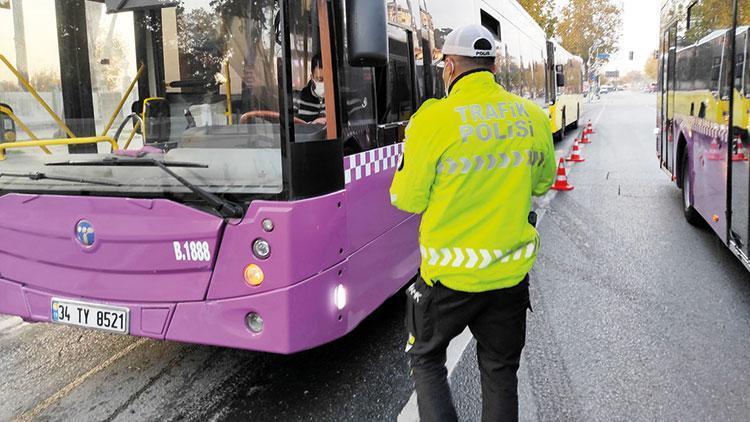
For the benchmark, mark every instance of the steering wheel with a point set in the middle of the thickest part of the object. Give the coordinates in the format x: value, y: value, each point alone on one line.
x: 266, y: 115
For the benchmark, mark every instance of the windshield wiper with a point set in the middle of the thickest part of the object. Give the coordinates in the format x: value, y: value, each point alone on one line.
x: 127, y: 162
x: 43, y: 176
x: 225, y: 208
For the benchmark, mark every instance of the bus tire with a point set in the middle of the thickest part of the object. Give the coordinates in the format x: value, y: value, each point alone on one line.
x: 691, y: 215
x: 574, y: 125
x: 559, y: 136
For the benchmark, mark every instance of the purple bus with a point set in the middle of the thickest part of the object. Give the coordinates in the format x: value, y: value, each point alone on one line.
x: 173, y: 169
x: 704, y: 114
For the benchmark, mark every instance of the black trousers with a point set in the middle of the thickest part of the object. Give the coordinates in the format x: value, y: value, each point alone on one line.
x: 497, y: 319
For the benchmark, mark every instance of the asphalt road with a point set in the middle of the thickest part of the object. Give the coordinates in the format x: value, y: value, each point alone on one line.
x: 637, y: 316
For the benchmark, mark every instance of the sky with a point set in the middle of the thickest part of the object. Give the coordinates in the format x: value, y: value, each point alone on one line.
x: 640, y: 34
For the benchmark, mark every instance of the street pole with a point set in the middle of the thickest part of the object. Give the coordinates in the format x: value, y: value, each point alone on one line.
x: 20, y: 39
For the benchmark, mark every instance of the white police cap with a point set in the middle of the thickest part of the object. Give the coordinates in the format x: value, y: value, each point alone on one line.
x: 470, y: 41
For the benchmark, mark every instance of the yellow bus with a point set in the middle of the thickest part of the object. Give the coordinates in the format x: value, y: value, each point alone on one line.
x: 566, y: 90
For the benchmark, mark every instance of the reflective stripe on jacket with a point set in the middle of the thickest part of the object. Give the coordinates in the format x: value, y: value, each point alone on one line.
x: 471, y: 163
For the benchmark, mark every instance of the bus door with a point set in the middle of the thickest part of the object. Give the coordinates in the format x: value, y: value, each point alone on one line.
x: 396, y: 93
x: 740, y: 188
x: 668, y: 76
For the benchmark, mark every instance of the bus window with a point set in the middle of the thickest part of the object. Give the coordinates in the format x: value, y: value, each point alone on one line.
x: 429, y: 53
x: 573, y: 74
x: 510, y: 59
x: 309, y: 86
x: 400, y: 12
x: 30, y: 35
x: 112, y: 61
x: 489, y: 22
x: 396, y: 85
x: 207, y: 91
x: 739, y: 65
x: 357, y: 96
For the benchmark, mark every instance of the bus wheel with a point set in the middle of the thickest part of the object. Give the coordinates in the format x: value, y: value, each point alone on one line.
x: 563, y: 127
x: 574, y: 125
x: 559, y: 136
x: 691, y: 215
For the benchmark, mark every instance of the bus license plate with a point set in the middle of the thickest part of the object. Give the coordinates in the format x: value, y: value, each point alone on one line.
x: 91, y: 315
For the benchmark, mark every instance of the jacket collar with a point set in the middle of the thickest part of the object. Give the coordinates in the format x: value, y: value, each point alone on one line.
x: 472, y: 76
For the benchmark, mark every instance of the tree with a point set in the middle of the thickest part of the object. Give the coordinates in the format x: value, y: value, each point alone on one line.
x: 634, y: 77
x: 589, y: 28
x: 543, y: 12
x: 651, y: 69
x: 45, y: 80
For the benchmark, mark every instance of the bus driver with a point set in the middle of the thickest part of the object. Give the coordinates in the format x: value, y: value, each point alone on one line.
x: 310, y: 104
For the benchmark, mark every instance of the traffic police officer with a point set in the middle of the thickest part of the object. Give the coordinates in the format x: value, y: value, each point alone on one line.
x: 471, y: 163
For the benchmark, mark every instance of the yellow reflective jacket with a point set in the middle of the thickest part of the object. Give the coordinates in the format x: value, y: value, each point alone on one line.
x: 471, y: 163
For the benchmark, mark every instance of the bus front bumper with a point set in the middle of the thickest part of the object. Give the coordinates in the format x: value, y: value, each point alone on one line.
x: 295, y: 318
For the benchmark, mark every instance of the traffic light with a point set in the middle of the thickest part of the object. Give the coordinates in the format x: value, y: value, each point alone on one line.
x: 632, y: 54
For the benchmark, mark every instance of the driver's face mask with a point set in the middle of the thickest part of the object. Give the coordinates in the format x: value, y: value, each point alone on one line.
x: 319, y: 89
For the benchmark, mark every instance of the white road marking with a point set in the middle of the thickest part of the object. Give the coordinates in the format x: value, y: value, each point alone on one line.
x: 9, y: 323
x: 63, y: 392
x: 457, y: 347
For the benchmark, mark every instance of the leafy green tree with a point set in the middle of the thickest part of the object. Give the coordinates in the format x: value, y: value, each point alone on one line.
x: 589, y: 28
x: 543, y: 11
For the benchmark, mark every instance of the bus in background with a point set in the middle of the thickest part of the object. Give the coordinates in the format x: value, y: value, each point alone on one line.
x: 566, y: 89
x: 531, y: 66
x: 155, y: 179
x: 702, y: 134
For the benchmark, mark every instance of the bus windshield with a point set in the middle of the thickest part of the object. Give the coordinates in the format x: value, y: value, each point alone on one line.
x: 191, y: 83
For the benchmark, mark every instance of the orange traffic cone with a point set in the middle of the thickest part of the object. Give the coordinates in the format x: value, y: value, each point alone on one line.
x: 585, y: 138
x: 739, y: 155
x: 714, y: 151
x: 575, y: 156
x: 589, y: 128
x: 561, y: 183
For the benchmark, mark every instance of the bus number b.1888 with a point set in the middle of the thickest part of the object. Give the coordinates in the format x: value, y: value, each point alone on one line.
x: 192, y: 251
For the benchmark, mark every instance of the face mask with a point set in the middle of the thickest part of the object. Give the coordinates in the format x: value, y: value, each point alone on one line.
x: 319, y: 89
x: 447, y: 81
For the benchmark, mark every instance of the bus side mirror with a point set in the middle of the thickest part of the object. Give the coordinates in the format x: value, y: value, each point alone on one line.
x: 559, y: 76
x: 156, y: 121
x: 367, y: 33
x: 7, y: 125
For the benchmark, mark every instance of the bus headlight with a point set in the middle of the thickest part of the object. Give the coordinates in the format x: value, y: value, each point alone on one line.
x: 267, y: 225
x: 254, y: 275
x: 339, y: 297
x: 261, y: 249
x: 254, y: 323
